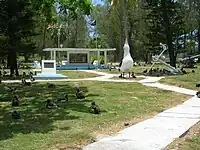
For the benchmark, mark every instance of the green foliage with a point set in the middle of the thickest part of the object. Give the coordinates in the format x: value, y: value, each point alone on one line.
x: 17, y: 24
x: 101, y: 59
x: 73, y: 7
x: 100, y: 42
x: 93, y: 58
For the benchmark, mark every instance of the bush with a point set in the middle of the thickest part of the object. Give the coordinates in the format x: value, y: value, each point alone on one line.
x: 101, y: 59
x: 93, y: 58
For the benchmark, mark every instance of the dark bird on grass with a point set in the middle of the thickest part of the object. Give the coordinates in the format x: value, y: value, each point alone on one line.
x: 126, y: 124
x: 32, y: 79
x: 51, y: 105
x: 15, y: 101
x: 65, y: 99
x: 24, y: 74
x: 198, y: 85
x: 198, y: 94
x: 24, y: 82
x: 12, y: 89
x: 92, y: 141
x: 145, y: 71
x: 183, y: 71
x: 15, y: 115
x: 94, y: 108
x: 30, y: 73
x: 51, y: 85
x: 193, y: 71
x: 28, y: 83
x: 4, y: 73
x: 133, y: 75
x: 79, y: 94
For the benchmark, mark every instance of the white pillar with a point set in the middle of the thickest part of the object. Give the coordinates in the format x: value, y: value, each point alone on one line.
x: 68, y: 56
x: 98, y: 57
x: 105, y: 58
x: 51, y: 54
x: 54, y: 54
x: 88, y: 57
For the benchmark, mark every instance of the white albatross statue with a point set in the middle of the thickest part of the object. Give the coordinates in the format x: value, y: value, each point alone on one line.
x: 127, y: 61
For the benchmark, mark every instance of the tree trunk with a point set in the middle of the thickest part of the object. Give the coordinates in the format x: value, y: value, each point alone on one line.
x: 26, y: 57
x: 198, y: 37
x: 44, y: 40
x: 120, y: 54
x: 185, y: 38
x: 146, y: 57
x: 12, y: 63
x: 129, y: 39
x: 168, y: 35
x: 76, y: 33
x: 121, y: 30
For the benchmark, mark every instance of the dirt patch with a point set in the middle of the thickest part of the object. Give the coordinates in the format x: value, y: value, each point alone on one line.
x: 112, y: 129
x: 66, y: 147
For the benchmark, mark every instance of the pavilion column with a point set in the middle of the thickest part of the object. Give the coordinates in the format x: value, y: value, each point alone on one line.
x: 98, y: 57
x: 105, y: 57
x: 54, y: 55
x: 88, y: 57
x: 68, y: 56
x: 59, y: 55
x: 51, y: 54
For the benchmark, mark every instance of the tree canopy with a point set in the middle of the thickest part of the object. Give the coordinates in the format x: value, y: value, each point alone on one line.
x: 28, y: 26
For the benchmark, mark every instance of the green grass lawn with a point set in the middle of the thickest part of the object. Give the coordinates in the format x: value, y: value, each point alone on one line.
x: 187, y: 81
x: 77, y: 74
x: 72, y: 124
x: 74, y: 74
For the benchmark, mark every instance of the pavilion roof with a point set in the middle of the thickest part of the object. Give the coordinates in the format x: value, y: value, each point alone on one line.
x: 79, y: 49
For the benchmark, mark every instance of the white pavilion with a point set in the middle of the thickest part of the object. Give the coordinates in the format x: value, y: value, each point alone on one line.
x: 74, y: 51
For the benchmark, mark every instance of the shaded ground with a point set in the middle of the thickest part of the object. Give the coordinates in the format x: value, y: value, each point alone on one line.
x: 72, y: 124
x: 72, y: 74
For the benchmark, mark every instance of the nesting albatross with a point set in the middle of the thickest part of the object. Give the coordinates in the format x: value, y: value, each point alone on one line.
x: 127, y: 61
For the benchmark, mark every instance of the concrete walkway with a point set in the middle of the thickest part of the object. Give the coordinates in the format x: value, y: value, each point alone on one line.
x: 158, y: 132
x: 152, y: 134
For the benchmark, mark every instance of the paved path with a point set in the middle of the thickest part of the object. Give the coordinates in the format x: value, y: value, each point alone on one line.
x: 155, y: 133
x: 158, y: 132
x: 152, y: 134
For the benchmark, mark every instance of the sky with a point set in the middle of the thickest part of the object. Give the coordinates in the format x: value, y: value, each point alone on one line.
x: 97, y: 1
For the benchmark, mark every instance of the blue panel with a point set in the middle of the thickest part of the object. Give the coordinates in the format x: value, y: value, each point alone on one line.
x: 77, y: 67
x: 48, y: 76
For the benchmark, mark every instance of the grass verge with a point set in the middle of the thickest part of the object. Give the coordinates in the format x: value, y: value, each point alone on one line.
x: 189, y: 142
x: 72, y: 74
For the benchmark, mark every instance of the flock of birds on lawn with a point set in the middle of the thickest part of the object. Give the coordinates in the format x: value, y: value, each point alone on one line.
x: 158, y: 71
x: 94, y: 108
